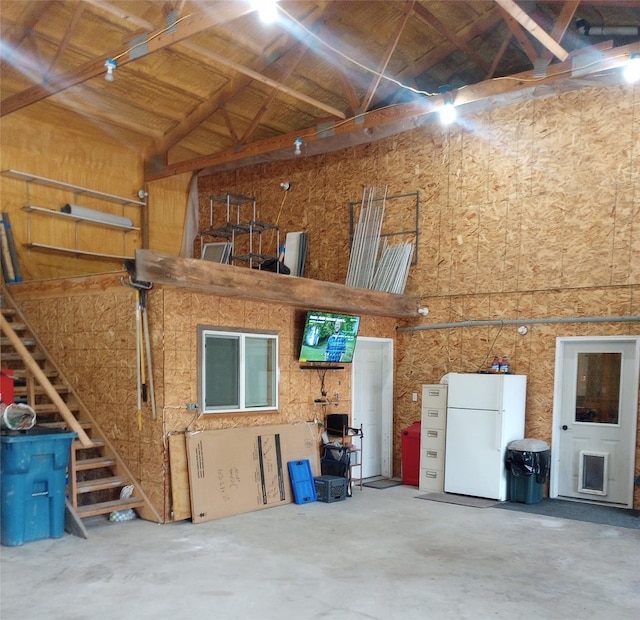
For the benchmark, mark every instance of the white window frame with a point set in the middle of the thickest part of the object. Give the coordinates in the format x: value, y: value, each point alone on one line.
x: 205, y: 332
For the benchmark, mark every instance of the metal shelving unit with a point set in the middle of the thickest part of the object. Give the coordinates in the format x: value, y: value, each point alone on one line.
x: 239, y: 219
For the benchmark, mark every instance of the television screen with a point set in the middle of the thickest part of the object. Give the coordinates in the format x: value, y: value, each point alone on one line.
x: 329, y: 337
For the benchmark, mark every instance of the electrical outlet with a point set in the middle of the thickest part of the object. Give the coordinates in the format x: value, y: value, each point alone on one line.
x: 414, y: 397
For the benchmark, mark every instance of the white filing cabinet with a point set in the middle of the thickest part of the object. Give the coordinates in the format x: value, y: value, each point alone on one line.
x: 432, y: 437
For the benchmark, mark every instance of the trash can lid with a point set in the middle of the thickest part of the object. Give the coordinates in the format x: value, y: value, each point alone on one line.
x: 528, y: 445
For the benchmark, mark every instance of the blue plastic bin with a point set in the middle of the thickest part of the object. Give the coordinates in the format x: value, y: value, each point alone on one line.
x: 33, y: 467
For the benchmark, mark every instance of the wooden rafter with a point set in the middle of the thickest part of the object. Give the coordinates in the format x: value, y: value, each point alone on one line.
x: 521, y: 36
x: 426, y: 15
x: 302, y: 50
x: 533, y: 28
x: 77, y: 14
x: 498, y: 57
x: 611, y: 59
x: 480, y: 26
x: 561, y: 24
x: 187, y: 28
x: 391, y: 47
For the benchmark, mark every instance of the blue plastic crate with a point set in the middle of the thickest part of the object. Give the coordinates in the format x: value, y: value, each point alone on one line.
x: 304, y: 490
x: 33, y: 468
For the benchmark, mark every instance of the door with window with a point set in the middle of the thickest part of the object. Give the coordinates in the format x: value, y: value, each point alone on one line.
x: 595, y: 418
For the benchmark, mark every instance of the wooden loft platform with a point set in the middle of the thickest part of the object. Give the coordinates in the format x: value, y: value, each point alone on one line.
x: 231, y: 281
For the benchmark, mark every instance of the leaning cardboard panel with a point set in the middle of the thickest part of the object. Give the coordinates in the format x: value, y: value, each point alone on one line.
x: 239, y: 470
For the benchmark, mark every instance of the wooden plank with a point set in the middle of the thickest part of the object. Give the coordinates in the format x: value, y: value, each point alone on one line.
x: 232, y: 281
x: 380, y: 119
x: 181, y: 500
x: 193, y: 25
x: 522, y: 18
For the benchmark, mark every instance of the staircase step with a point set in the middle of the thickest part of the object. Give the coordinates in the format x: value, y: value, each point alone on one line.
x: 91, y: 510
x: 97, y: 443
x: 113, y: 482
x: 27, y: 342
x: 95, y: 463
x: 62, y: 424
x: 21, y: 373
x: 49, y: 408
x: 7, y: 311
x: 14, y: 357
x: 21, y: 390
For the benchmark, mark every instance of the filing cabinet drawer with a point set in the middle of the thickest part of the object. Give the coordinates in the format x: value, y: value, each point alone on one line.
x: 431, y: 479
x: 434, y: 418
x: 432, y: 459
x: 432, y: 439
x: 434, y: 396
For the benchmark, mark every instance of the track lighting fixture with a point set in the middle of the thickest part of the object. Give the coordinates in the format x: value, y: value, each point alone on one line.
x: 110, y: 64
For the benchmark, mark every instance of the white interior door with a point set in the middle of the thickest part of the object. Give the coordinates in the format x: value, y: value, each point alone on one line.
x: 595, y: 419
x: 372, y: 406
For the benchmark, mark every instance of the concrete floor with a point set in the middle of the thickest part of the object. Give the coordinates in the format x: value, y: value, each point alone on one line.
x: 382, y: 554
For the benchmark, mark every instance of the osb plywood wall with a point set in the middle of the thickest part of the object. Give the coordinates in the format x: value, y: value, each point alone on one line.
x: 88, y: 325
x: 526, y: 211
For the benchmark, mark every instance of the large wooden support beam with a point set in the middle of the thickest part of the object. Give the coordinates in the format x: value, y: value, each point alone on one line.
x: 232, y: 281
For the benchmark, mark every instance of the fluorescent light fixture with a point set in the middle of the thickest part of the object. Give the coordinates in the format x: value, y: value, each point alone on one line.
x: 267, y: 10
x: 110, y: 64
x: 631, y: 71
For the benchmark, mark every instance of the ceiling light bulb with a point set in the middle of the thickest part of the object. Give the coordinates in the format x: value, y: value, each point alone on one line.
x: 631, y: 70
x: 267, y: 10
x: 110, y: 64
x: 448, y: 113
x: 297, y: 143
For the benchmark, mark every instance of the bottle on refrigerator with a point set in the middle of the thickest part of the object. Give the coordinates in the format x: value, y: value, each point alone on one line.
x: 495, y: 365
x: 504, y: 365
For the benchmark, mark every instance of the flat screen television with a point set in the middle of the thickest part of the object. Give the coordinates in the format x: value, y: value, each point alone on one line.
x: 329, y: 337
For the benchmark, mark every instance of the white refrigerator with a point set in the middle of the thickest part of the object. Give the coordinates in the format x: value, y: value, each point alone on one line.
x: 484, y: 413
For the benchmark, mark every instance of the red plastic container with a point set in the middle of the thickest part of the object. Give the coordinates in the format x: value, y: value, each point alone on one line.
x: 6, y: 386
x: 411, y: 455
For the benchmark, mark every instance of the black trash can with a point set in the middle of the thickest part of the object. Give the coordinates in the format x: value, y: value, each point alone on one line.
x: 527, y: 462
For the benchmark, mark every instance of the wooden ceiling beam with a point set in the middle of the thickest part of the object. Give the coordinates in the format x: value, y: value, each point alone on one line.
x: 533, y: 28
x: 610, y: 59
x: 432, y: 58
x: 565, y: 19
x: 230, y: 281
x: 77, y: 14
x: 271, y: 98
x: 521, y: 37
x: 427, y: 16
x: 194, y: 24
x: 391, y: 47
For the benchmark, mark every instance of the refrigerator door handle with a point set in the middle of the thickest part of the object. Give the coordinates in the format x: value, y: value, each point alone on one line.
x: 498, y: 430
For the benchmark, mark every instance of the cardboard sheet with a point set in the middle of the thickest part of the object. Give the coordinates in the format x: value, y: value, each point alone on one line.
x: 240, y: 470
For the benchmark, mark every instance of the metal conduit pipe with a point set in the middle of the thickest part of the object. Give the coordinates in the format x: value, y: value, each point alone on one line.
x: 500, y: 322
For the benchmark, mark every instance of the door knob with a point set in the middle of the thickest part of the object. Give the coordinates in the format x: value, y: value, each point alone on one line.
x: 564, y: 427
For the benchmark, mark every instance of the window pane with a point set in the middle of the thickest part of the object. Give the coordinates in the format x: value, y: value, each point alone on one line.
x: 222, y: 355
x: 260, y: 372
x: 598, y: 387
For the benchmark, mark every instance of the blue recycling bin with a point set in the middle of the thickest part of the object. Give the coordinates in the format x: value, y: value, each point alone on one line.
x: 33, y: 468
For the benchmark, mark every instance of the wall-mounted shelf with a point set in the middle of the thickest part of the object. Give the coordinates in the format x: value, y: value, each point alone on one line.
x: 77, y: 220
x: 54, y: 248
x: 75, y: 189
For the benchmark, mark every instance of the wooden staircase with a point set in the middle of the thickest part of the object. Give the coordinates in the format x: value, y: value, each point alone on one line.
x: 97, y: 474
